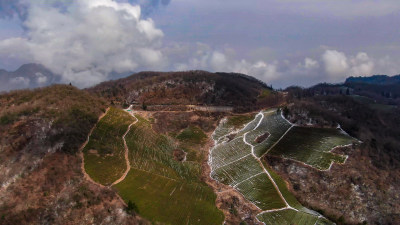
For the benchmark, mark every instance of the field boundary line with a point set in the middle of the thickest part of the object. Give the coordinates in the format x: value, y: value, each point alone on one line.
x: 236, y: 160
x: 277, y: 142
x: 247, y: 179
x: 289, y: 126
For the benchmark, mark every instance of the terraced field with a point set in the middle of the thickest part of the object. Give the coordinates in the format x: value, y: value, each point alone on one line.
x: 165, y: 190
x: 168, y: 191
x: 312, y: 146
x: 105, y: 148
x: 235, y: 160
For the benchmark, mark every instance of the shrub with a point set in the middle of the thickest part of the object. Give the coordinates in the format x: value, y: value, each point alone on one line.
x: 131, y: 208
x: 8, y: 118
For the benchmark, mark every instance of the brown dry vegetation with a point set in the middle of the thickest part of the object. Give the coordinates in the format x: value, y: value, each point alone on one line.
x: 348, y: 194
x: 366, y: 187
x: 42, y: 182
x: 243, y: 92
x: 174, y: 122
x: 179, y: 155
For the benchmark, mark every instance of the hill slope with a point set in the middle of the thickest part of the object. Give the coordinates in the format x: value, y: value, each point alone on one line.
x: 364, y: 188
x: 376, y: 79
x: 42, y: 182
x: 189, y: 88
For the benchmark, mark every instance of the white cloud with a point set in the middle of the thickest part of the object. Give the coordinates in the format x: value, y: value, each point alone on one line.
x: 206, y: 58
x: 362, y: 65
x: 218, y: 61
x: 264, y: 71
x: 310, y: 63
x: 339, y: 66
x: 40, y: 78
x: 335, y: 63
x: 388, y: 65
x: 21, y: 82
x: 87, y: 40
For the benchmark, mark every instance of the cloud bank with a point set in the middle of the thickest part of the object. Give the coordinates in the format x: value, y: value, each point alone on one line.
x: 330, y: 66
x: 86, y: 40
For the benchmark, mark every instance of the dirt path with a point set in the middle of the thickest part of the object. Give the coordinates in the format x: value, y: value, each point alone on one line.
x: 86, y: 176
x: 128, y: 164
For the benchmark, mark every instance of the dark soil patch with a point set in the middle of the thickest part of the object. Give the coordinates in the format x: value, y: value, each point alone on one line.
x: 179, y: 155
x: 262, y: 138
x: 231, y: 137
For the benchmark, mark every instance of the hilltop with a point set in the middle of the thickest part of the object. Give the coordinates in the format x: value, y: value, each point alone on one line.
x: 27, y: 76
x: 240, y: 91
x: 376, y: 79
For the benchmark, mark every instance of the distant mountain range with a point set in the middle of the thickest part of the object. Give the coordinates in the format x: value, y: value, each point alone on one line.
x: 376, y: 79
x: 36, y: 75
x: 27, y: 76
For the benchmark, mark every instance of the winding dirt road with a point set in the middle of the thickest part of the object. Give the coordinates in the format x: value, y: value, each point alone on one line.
x: 86, y: 176
x: 128, y: 164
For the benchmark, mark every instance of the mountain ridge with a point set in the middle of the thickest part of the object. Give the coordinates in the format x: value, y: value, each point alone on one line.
x: 189, y: 88
x: 375, y: 79
x: 29, y: 75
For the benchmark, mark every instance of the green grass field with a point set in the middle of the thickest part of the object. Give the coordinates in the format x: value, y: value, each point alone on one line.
x: 234, y: 163
x: 261, y: 191
x: 228, y: 152
x: 167, y: 201
x: 312, y: 146
x: 190, y: 140
x: 192, y: 135
x: 166, y: 191
x: 104, y: 154
x: 290, y: 216
x: 230, y: 124
x: 153, y: 152
x: 239, y: 120
x: 274, y: 125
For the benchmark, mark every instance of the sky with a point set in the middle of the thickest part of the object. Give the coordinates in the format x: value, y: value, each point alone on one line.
x: 283, y: 43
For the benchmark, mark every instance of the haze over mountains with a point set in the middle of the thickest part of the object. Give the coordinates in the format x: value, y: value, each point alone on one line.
x: 36, y: 75
x: 27, y: 76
